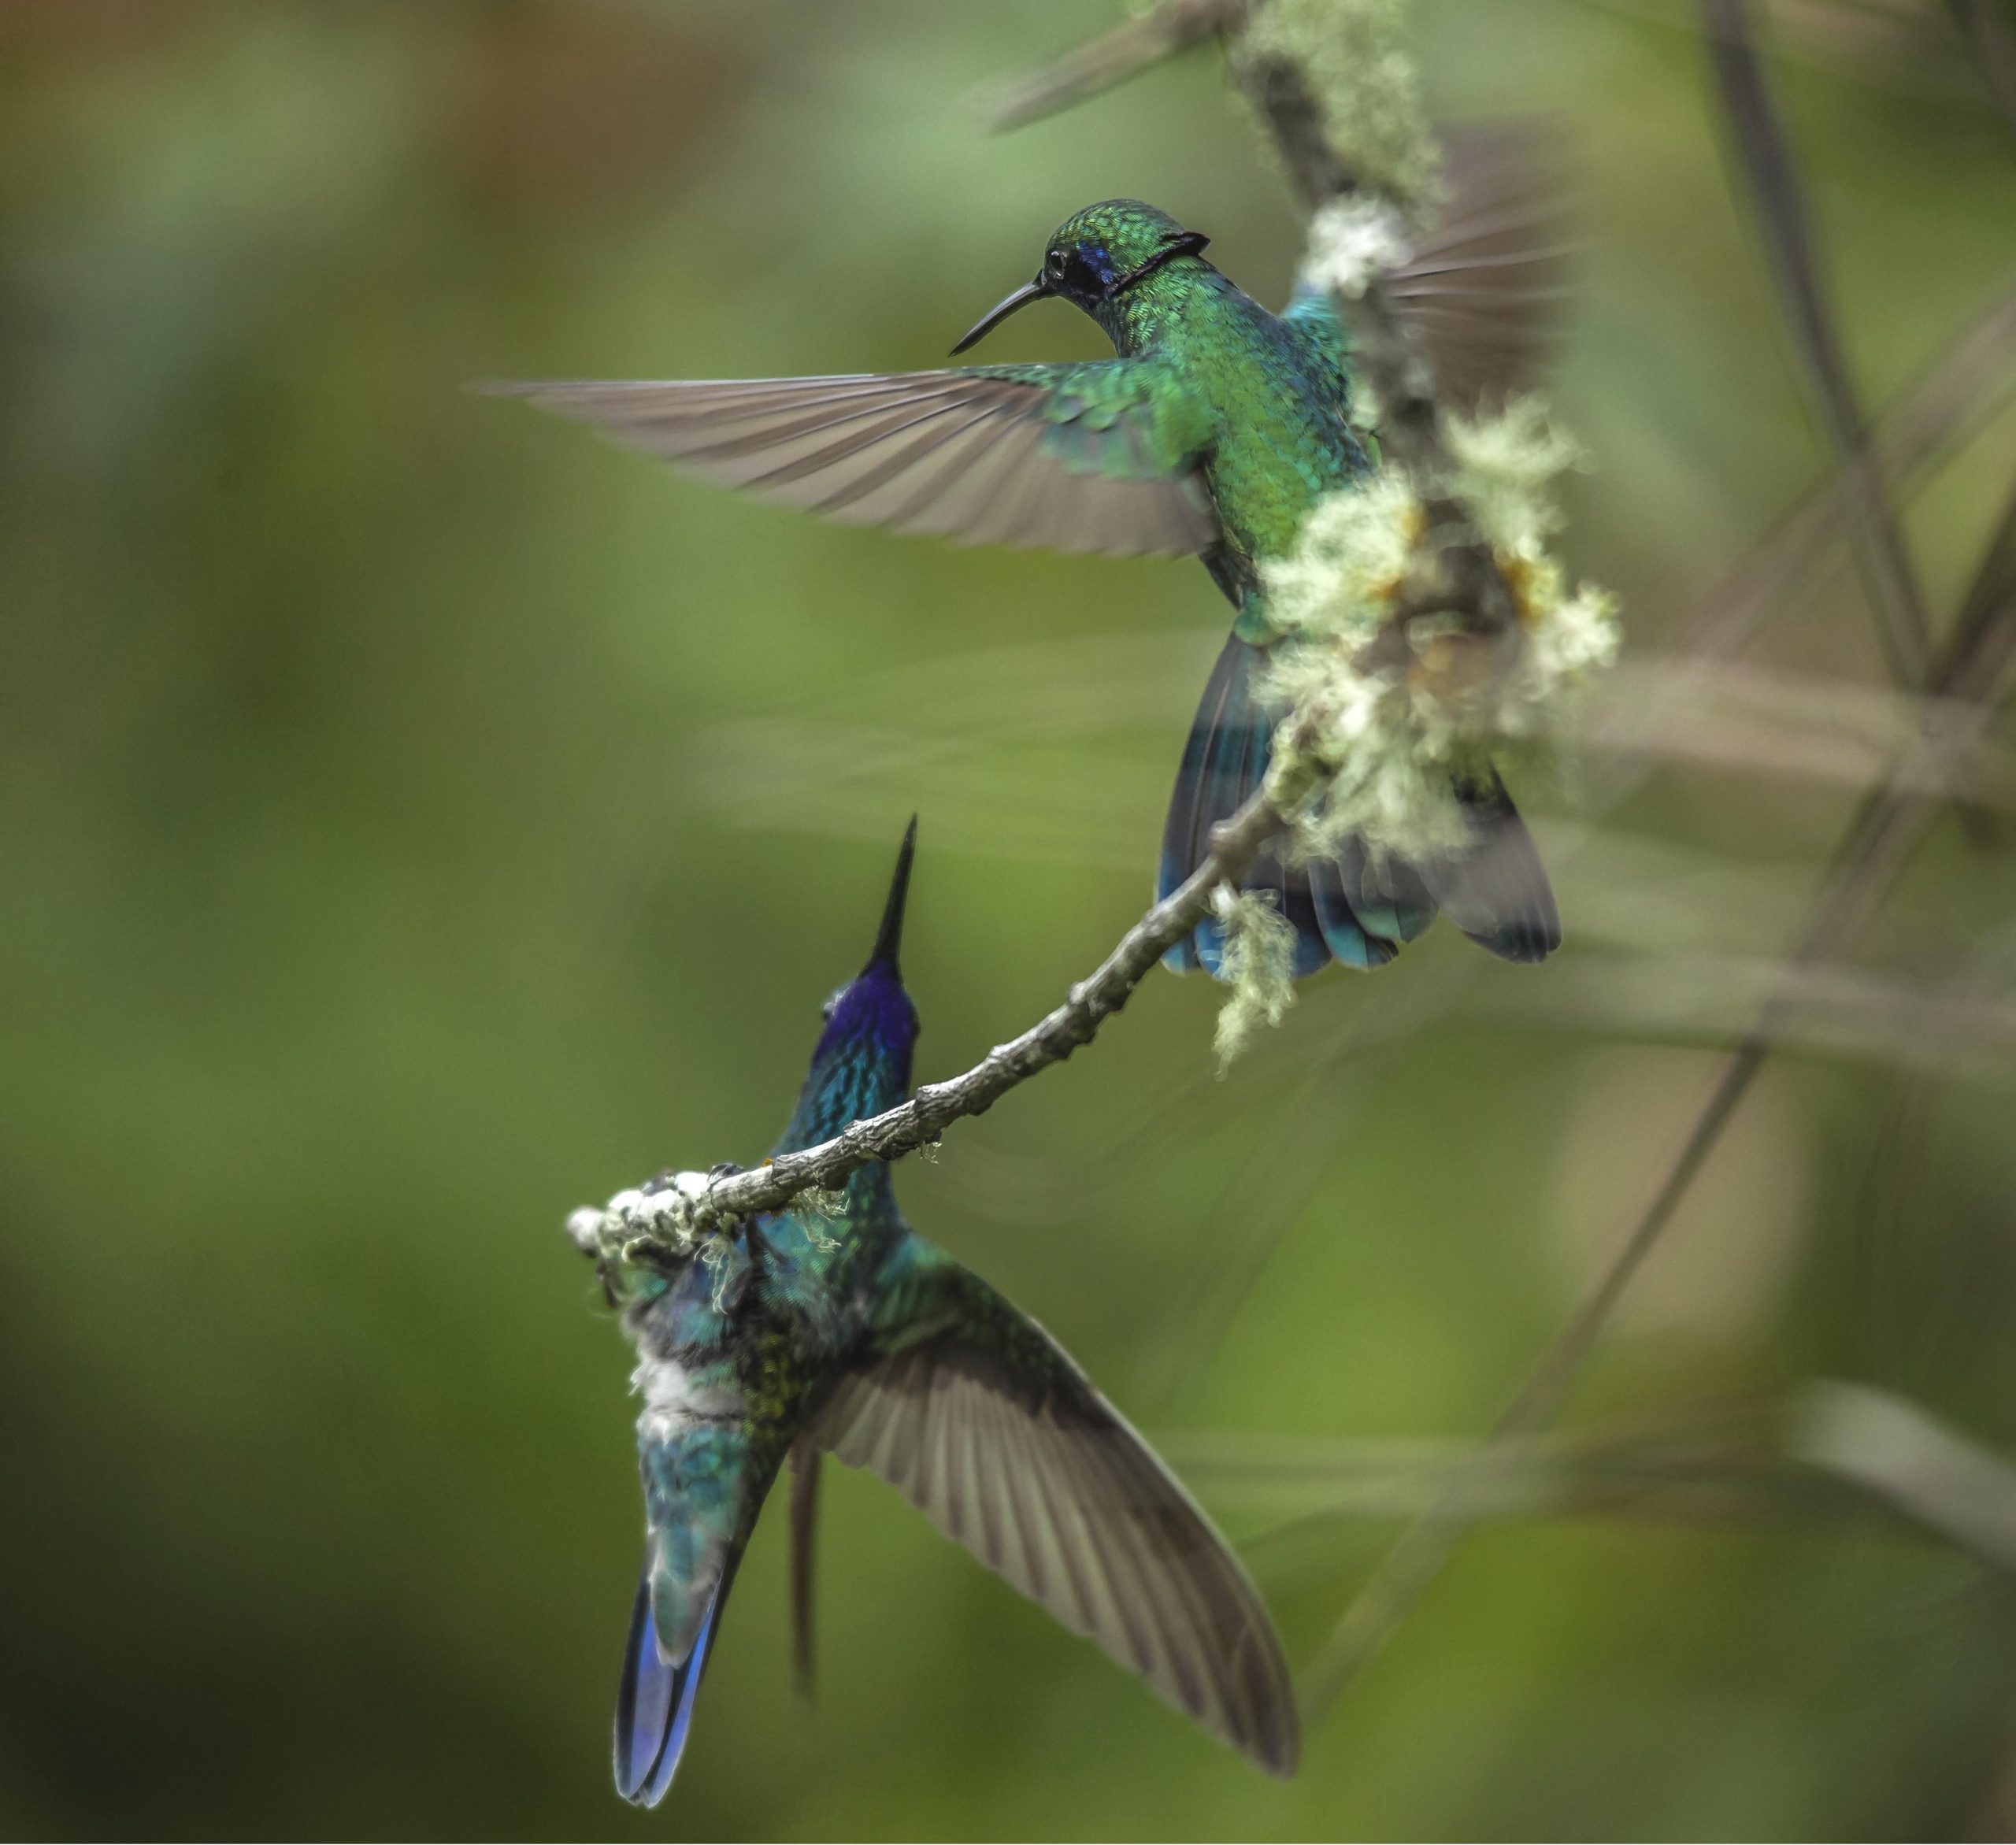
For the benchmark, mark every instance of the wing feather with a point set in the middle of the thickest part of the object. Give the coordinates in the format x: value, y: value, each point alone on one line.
x: 978, y: 454
x: 1496, y: 891
x: 988, y: 1429
x: 1484, y: 292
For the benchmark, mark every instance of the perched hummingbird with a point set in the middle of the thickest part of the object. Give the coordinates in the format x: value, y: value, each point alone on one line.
x: 851, y: 1335
x: 1213, y: 432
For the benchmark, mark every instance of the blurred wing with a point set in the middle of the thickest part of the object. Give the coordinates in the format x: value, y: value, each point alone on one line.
x: 981, y: 1421
x: 1073, y: 458
x: 1497, y: 890
x: 1483, y: 294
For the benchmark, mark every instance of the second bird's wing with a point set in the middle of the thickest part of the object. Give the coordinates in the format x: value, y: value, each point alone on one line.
x: 1099, y: 456
x: 979, y: 1418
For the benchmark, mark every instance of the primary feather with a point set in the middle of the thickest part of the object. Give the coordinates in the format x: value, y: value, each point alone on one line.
x: 978, y: 1418
x: 1076, y: 458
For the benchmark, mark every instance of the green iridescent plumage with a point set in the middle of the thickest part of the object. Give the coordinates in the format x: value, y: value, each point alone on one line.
x: 850, y: 1334
x: 1214, y: 431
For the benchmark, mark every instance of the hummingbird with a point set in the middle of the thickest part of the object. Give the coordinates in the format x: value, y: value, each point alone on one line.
x: 843, y: 1331
x: 1213, y: 431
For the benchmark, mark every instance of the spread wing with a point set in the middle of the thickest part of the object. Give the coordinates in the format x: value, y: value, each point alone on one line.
x: 1093, y: 457
x: 978, y: 1417
x: 1484, y: 292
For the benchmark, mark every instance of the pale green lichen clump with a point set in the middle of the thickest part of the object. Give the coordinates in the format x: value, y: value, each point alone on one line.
x: 1505, y: 469
x: 1352, y: 243
x: 830, y: 1203
x: 1257, y: 965
x: 1389, y: 728
x: 1353, y: 55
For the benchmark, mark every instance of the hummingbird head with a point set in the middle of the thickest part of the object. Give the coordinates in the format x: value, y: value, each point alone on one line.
x: 1095, y: 258
x: 863, y: 1065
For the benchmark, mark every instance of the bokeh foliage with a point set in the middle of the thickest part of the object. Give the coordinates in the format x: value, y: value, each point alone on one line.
x: 419, y: 820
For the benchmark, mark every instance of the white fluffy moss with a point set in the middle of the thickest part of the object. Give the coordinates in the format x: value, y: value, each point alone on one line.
x: 1506, y: 465
x: 1258, y: 965
x: 1389, y: 726
x: 1353, y: 550
x: 1352, y: 243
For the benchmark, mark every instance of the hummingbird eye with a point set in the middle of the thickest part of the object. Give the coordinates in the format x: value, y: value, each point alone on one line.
x: 1053, y: 268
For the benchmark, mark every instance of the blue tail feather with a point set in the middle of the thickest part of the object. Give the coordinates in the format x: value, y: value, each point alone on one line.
x: 655, y: 1703
x: 1387, y: 895
x: 1355, y: 909
x: 1350, y: 941
x: 1223, y: 761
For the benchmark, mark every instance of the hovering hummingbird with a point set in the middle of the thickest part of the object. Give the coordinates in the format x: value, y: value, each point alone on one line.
x: 851, y: 1335
x: 1214, y: 430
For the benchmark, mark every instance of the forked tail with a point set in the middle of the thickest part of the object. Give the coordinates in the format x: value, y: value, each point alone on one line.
x: 655, y: 1703
x: 1356, y: 909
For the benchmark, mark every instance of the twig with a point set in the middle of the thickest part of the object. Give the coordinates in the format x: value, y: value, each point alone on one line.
x: 1384, y: 356
x: 1871, y: 45
x: 1785, y: 227
x: 919, y: 1122
x: 1678, y: 708
x: 1829, y: 1450
x: 1923, y: 423
x: 1992, y: 40
x: 1111, y: 58
x: 1829, y: 1009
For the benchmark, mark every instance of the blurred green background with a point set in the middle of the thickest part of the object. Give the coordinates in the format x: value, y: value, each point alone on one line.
x: 419, y: 819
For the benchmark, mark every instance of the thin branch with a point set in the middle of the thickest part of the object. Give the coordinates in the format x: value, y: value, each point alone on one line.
x: 1828, y: 1009
x: 1786, y: 232
x: 1881, y: 48
x: 1113, y: 57
x: 1992, y: 41
x: 919, y: 1121
x: 1926, y: 420
x: 1678, y: 710
x: 1711, y: 1469
x: 1890, y: 1448
x: 1830, y: 1450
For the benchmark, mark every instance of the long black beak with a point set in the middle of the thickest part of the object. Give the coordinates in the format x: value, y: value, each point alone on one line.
x: 889, y: 939
x: 1029, y: 291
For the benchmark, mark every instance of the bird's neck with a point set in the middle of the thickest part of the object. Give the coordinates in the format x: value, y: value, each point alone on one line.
x: 849, y: 1082
x: 1143, y: 316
